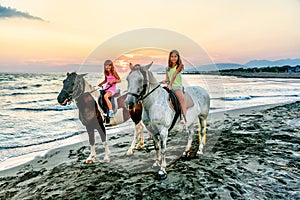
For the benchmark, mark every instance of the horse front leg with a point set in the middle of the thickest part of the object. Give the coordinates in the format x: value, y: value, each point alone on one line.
x: 157, y: 149
x: 163, y: 140
x: 92, y: 155
x: 202, y: 126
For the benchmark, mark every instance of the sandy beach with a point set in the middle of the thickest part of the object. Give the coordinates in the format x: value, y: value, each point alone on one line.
x: 251, y: 153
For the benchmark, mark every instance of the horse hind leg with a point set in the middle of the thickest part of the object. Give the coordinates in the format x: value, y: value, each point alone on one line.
x: 202, y: 126
x: 107, y: 152
x: 102, y: 133
x: 187, y: 151
x: 136, y: 134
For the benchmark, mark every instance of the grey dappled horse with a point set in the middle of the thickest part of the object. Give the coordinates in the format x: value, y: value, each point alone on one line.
x: 158, y: 114
x: 75, y: 87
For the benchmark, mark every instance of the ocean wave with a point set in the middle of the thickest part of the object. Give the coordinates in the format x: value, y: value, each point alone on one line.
x: 238, y: 98
x: 24, y: 87
x: 243, y: 98
x: 46, y: 109
x: 36, y: 85
x: 41, y: 143
x: 27, y: 93
x: 35, y: 101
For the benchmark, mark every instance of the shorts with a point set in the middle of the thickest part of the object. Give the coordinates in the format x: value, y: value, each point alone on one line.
x: 177, y: 88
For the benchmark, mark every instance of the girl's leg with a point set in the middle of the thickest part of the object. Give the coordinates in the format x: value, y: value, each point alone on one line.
x: 106, y: 97
x: 180, y: 97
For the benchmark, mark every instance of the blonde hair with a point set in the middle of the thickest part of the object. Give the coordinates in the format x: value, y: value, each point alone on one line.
x: 110, y: 63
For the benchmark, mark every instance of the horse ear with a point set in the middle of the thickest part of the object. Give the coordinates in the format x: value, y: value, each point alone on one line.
x: 147, y: 67
x: 68, y: 73
x: 82, y: 75
x: 131, y: 66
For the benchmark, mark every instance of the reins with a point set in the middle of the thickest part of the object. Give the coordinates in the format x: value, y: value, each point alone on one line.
x: 142, y: 95
x: 98, y: 89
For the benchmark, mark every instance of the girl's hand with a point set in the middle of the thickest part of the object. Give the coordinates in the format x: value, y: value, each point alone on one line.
x: 169, y: 87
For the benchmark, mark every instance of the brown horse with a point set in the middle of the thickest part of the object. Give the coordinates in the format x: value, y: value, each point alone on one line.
x: 76, y: 88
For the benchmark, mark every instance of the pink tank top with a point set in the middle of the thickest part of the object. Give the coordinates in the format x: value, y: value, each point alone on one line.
x: 112, y: 88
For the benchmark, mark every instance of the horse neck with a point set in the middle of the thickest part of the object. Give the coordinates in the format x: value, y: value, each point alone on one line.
x: 156, y: 95
x: 152, y: 81
x: 89, y: 88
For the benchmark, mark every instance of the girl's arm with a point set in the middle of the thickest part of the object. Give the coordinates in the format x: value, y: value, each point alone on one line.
x: 178, y: 70
x: 105, y: 80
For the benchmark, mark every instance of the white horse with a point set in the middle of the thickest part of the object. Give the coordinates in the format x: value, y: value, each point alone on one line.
x: 75, y: 87
x: 158, y: 113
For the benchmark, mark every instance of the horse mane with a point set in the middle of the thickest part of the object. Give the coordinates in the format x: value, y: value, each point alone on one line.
x: 152, y: 79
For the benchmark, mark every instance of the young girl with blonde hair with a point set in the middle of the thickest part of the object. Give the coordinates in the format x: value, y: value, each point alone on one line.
x: 111, y: 78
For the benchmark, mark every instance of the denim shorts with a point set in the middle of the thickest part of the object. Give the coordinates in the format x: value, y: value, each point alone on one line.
x: 177, y: 88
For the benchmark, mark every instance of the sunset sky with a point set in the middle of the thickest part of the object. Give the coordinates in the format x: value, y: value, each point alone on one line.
x: 51, y: 33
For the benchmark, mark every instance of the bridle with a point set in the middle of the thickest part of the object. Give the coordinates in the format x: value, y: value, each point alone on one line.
x: 77, y: 91
x: 142, y: 95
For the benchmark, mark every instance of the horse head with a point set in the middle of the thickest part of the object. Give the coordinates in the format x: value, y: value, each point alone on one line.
x: 72, y: 87
x: 137, y: 84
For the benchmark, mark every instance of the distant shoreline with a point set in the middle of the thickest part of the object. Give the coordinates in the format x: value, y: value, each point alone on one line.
x: 261, y: 74
x: 250, y: 74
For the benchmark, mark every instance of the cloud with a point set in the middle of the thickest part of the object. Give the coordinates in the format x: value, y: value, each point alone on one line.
x: 7, y: 12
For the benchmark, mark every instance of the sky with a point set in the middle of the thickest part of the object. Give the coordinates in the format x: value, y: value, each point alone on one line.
x: 50, y: 34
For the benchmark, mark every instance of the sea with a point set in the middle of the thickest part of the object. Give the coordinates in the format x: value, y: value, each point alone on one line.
x: 32, y: 122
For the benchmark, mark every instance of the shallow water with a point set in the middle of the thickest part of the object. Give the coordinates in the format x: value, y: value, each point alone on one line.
x: 31, y: 120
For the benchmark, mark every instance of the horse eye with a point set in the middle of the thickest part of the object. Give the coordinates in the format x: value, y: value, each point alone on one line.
x: 64, y: 81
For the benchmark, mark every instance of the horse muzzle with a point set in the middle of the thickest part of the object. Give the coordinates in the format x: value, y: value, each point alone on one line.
x: 130, y: 102
x: 62, y: 100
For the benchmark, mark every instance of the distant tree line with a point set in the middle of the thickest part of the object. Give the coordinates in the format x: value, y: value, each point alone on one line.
x: 275, y: 69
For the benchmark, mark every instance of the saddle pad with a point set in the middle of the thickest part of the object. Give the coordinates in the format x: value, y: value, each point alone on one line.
x: 188, y: 101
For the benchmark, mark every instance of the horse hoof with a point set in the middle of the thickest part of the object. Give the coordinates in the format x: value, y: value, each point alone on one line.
x: 162, y: 175
x: 139, y: 146
x: 106, y: 159
x: 156, y: 164
x: 89, y: 161
x: 129, y: 152
x: 186, y: 154
x: 199, y: 153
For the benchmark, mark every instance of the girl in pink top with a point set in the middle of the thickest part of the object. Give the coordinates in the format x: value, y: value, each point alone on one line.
x: 111, y: 78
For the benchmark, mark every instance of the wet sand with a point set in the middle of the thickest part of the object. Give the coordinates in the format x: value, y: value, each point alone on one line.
x: 250, y: 154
